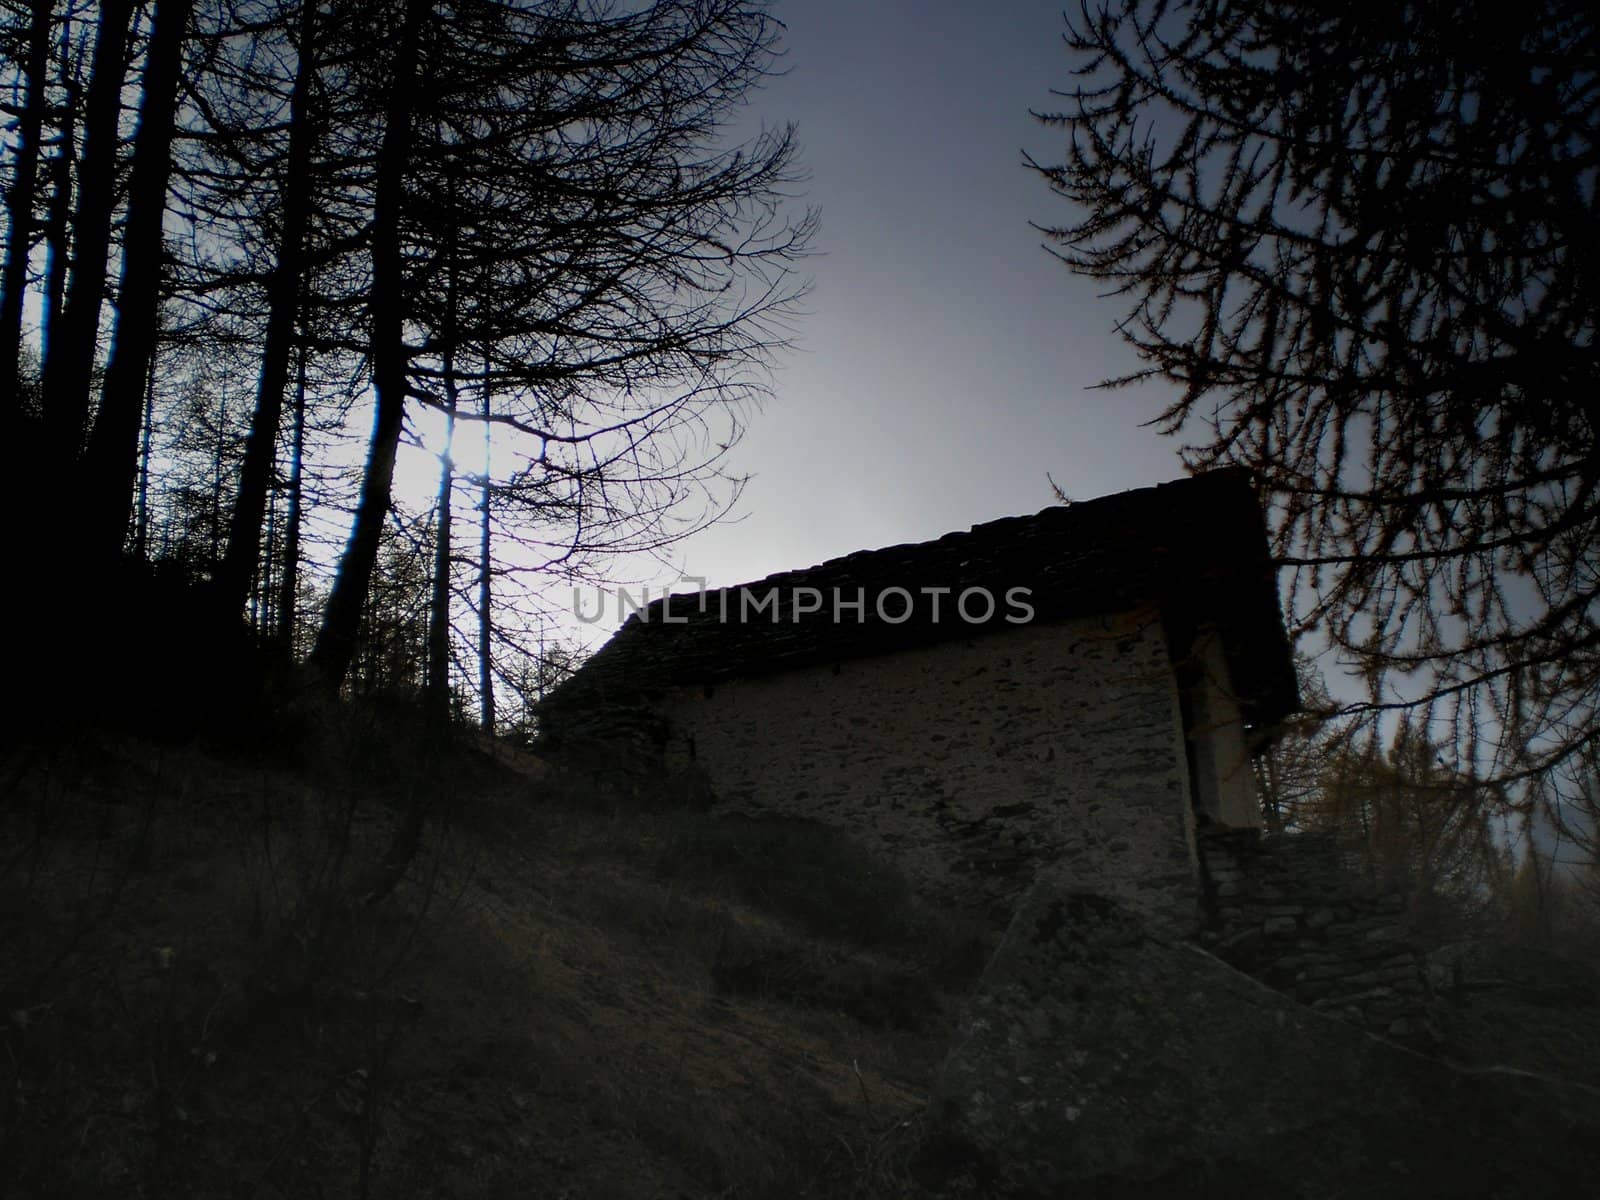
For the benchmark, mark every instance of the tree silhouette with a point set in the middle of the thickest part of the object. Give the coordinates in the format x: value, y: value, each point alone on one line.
x: 1361, y: 244
x: 620, y: 270
x: 311, y: 215
x: 32, y: 50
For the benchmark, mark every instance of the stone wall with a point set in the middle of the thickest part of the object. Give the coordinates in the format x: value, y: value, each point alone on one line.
x: 972, y: 762
x: 1102, y: 1056
x: 1288, y: 910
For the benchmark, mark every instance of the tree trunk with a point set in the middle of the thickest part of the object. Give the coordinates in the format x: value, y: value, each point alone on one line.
x: 20, y: 201
x: 438, y: 687
x: 437, y: 695
x: 264, y: 591
x: 111, y: 460
x: 70, y: 356
x: 219, y: 475
x: 485, y: 622
x: 55, y: 223
x: 142, y: 536
x: 341, y: 620
x: 283, y: 296
x: 288, y: 597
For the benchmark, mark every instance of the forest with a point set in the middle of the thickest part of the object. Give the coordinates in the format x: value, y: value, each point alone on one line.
x: 259, y: 254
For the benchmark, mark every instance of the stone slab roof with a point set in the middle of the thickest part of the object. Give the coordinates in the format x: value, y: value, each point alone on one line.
x: 1196, y: 548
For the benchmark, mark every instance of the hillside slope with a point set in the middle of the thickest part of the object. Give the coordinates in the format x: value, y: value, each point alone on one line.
x: 563, y: 996
x: 230, y: 973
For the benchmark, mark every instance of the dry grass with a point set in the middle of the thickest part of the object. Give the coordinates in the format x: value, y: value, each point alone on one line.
x: 570, y: 993
x: 563, y: 997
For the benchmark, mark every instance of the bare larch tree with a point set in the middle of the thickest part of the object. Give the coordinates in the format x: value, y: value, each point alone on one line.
x: 1360, y: 243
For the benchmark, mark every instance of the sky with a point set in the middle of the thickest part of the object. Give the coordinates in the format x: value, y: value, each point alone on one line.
x: 946, y: 368
x: 946, y: 362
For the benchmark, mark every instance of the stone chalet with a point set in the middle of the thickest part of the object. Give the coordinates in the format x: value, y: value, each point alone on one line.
x: 1084, y: 687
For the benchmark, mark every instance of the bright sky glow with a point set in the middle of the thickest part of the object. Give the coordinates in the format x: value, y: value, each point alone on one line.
x: 947, y: 362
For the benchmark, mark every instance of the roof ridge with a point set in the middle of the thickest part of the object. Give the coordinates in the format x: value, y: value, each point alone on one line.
x: 1195, y: 547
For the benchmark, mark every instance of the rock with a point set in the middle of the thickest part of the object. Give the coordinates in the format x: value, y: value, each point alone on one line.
x: 1104, y: 1054
x: 1448, y: 967
x: 1406, y: 974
